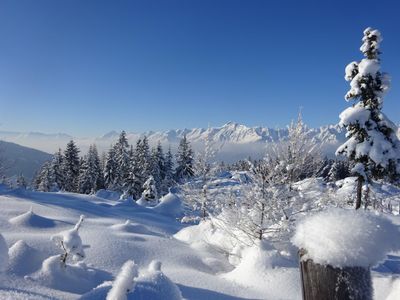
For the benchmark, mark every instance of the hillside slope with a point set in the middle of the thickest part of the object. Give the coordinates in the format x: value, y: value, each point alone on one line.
x: 21, y: 160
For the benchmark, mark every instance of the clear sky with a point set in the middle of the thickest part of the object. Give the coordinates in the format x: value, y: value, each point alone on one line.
x: 86, y: 67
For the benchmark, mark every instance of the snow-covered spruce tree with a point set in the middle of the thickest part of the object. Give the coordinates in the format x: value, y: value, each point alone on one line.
x: 57, y: 165
x: 133, y: 184
x: 45, y: 181
x: 168, y: 180
x: 184, y: 160
x: 71, y: 165
x: 90, y: 173
x: 98, y: 168
x: 110, y: 170
x: 372, y: 144
x: 142, y: 158
x: 157, y: 166
x: 121, y: 150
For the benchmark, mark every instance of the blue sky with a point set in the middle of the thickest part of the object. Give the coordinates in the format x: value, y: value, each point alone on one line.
x: 86, y: 67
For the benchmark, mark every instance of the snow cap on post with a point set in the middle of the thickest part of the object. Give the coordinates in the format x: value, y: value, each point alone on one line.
x: 346, y: 238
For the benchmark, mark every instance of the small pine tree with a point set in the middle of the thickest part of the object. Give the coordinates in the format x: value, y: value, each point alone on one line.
x: 372, y: 143
x: 184, y: 160
x: 21, y: 182
x: 149, y: 190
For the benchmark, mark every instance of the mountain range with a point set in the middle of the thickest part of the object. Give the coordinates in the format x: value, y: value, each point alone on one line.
x: 234, y: 141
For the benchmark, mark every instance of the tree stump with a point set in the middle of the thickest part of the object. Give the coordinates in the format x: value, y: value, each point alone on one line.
x: 327, y: 282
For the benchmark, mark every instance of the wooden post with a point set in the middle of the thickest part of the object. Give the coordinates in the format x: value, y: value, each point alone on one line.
x: 329, y: 283
x: 359, y: 191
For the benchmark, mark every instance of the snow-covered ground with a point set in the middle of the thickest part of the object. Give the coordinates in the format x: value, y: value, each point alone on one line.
x: 194, y: 265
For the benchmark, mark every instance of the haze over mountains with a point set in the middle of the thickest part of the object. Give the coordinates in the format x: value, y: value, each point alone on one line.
x: 234, y: 141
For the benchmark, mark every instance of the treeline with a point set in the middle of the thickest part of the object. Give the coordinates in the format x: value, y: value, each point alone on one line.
x: 134, y: 171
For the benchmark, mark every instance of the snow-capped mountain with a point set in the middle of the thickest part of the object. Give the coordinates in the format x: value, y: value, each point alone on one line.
x: 233, y: 141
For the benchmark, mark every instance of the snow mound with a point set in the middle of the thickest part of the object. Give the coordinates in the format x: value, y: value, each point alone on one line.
x: 3, y: 254
x: 131, y: 228
x: 30, y: 219
x: 107, y: 194
x: 395, y: 290
x: 341, y: 238
x: 261, y: 264
x: 146, y: 203
x: 155, y: 285
x: 24, y: 259
x: 170, y: 205
x: 76, y: 278
x: 123, y: 284
x: 152, y: 284
x: 127, y: 202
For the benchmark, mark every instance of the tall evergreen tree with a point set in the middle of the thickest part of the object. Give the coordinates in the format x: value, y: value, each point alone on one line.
x: 140, y: 166
x: 184, y: 160
x: 168, y: 180
x: 372, y: 142
x: 90, y: 177
x: 110, y: 169
x: 57, y: 165
x: 71, y: 165
x: 157, y: 166
x: 121, y: 150
x: 133, y: 184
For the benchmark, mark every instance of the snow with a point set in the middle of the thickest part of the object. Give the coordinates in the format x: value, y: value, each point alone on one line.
x: 369, y: 33
x: 106, y: 194
x: 123, y: 284
x: 30, y: 219
x: 3, y: 254
x: 341, y: 238
x: 262, y: 265
x: 24, y: 259
x: 368, y: 67
x: 170, y: 205
x: 350, y: 70
x: 155, y: 285
x: 74, y: 278
x: 174, y: 259
x: 71, y: 242
x: 355, y: 115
